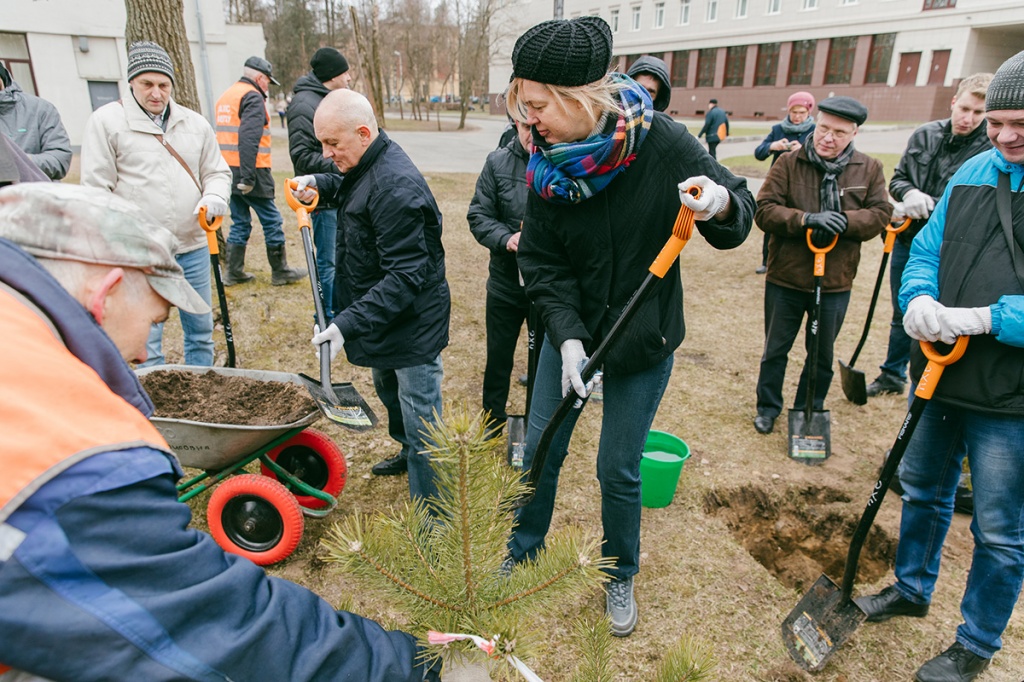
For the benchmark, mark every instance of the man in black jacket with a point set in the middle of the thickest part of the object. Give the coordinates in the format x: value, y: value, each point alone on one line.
x: 652, y: 73
x: 390, y: 289
x: 934, y: 152
x: 329, y: 72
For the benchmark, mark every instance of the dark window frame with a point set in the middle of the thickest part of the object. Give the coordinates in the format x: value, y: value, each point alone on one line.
x: 707, y: 62
x: 801, y: 62
x: 880, y: 59
x: 735, y: 65
x: 680, y: 68
x: 766, y: 71
x: 839, y: 65
x: 938, y: 4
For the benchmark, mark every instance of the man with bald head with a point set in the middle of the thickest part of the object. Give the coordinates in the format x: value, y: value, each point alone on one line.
x: 390, y: 292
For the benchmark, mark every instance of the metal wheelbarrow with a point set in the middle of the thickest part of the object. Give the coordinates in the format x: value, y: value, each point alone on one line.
x: 258, y: 516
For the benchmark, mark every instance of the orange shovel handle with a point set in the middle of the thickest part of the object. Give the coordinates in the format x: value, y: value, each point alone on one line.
x: 301, y: 210
x: 681, y: 233
x: 211, y: 230
x: 936, y: 364
x: 891, y: 230
x: 819, y: 254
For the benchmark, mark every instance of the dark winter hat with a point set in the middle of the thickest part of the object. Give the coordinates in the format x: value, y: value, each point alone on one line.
x: 146, y: 56
x: 844, y: 107
x: 1006, y: 91
x: 564, y: 52
x: 657, y: 69
x: 5, y: 75
x: 263, y: 66
x: 328, y: 63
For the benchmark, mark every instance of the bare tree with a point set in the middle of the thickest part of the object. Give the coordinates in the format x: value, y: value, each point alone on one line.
x: 474, y: 22
x: 164, y: 24
x: 367, y: 38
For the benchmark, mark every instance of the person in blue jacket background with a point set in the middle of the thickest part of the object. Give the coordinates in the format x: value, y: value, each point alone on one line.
x: 965, y: 277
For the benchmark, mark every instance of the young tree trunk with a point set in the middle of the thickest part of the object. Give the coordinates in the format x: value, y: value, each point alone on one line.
x: 164, y: 23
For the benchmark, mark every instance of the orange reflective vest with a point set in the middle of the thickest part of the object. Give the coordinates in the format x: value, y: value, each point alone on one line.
x: 228, y: 120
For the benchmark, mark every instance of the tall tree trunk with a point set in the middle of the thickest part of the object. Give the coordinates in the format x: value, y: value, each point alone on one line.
x: 368, y: 57
x: 163, y: 23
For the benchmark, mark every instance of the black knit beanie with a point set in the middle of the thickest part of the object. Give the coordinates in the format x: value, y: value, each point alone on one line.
x: 327, y: 63
x: 564, y: 52
x: 1006, y: 91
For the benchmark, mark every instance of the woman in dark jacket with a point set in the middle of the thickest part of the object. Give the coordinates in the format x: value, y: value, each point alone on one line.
x: 788, y: 136
x: 605, y: 191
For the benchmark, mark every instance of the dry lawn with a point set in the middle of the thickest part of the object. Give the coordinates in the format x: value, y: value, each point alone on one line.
x: 696, y: 577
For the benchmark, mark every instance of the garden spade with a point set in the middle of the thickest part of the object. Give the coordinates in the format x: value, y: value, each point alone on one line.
x: 810, y: 430
x: 341, y: 403
x: 854, y: 385
x: 682, y: 230
x: 826, y: 616
x: 211, y: 240
x: 517, y: 422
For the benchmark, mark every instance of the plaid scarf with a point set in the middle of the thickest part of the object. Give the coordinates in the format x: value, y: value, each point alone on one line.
x: 832, y: 168
x: 570, y: 172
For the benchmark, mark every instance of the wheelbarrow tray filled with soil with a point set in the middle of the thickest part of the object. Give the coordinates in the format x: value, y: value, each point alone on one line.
x: 247, y: 409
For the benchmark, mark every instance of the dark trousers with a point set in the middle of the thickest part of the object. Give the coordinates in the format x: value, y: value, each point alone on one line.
x: 504, y: 320
x: 784, y: 311
x: 712, y: 147
x: 898, y: 354
x: 764, y: 249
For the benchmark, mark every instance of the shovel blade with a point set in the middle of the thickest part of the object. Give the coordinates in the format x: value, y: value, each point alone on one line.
x: 810, y: 442
x: 515, y: 427
x: 854, y: 385
x: 820, y: 624
x: 349, y: 410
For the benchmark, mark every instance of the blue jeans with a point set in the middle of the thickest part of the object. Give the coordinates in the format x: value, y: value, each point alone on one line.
x: 241, y: 220
x: 198, y: 329
x: 412, y: 395
x: 325, y: 238
x: 898, y: 355
x: 630, y: 402
x: 929, y: 474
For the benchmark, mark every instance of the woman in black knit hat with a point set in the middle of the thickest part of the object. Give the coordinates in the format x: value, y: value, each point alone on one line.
x: 605, y: 190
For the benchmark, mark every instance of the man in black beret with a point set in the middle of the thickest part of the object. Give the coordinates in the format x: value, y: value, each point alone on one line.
x: 835, y: 193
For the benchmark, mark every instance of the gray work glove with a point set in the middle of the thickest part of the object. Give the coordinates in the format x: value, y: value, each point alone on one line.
x: 921, y: 321
x: 243, y: 188
x: 954, y: 322
x: 305, y: 188
x: 917, y: 204
x: 332, y: 335
x: 574, y: 359
x: 714, y: 198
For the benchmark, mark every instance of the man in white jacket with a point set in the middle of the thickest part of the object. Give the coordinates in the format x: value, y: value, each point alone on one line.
x: 149, y: 149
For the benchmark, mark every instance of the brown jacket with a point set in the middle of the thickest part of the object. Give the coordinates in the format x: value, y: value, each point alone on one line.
x: 790, y: 190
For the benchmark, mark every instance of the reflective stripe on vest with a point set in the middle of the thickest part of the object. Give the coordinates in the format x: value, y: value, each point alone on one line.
x: 55, y: 410
x: 228, y: 121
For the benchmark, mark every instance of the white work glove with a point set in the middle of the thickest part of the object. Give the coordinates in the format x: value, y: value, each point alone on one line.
x: 215, y: 206
x: 954, y: 322
x: 303, y: 189
x: 713, y: 199
x: 917, y: 204
x: 899, y: 213
x: 574, y: 359
x: 243, y: 188
x: 332, y: 336
x: 921, y: 321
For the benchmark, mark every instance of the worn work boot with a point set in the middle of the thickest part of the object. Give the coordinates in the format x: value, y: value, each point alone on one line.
x: 886, y: 383
x: 282, y: 274
x: 392, y: 466
x: 621, y: 607
x: 889, y: 603
x: 236, y: 273
x: 955, y: 664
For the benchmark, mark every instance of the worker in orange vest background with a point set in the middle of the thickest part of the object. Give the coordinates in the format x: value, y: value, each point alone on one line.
x: 243, y: 132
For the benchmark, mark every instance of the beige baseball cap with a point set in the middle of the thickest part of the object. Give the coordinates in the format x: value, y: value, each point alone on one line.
x: 70, y: 222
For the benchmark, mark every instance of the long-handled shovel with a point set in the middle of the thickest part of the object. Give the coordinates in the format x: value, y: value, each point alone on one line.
x: 341, y: 403
x: 810, y: 430
x: 211, y: 240
x: 681, y: 233
x: 854, y: 385
x: 516, y: 423
x: 827, y: 616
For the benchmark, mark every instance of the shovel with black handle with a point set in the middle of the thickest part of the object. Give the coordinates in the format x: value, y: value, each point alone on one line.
x: 826, y: 616
x: 211, y: 240
x: 854, y: 385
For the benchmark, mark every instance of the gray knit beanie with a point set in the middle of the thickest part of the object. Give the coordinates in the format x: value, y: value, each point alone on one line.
x: 1006, y: 91
x: 564, y: 52
x: 146, y: 56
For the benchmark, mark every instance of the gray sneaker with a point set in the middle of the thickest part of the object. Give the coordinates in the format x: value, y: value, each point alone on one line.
x: 621, y: 607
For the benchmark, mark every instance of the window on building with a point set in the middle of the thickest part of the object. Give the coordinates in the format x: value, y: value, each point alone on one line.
x: 881, y: 58
x: 939, y: 4
x: 659, y: 15
x: 680, y: 68
x: 839, y: 67
x: 684, y: 12
x: 767, y: 64
x: 810, y: 4
x: 735, y: 65
x: 741, y: 9
x: 102, y: 92
x: 847, y: 2
x: 706, y: 62
x: 801, y: 62
x: 712, y: 11
x: 774, y: 7
x: 14, y: 55
x: 634, y: 24
x: 613, y: 20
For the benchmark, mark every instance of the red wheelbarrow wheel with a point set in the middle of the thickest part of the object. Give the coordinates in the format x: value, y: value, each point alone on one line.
x: 255, y: 517
x: 313, y: 458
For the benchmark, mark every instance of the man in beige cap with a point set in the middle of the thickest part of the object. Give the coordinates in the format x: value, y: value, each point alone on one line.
x: 97, y: 561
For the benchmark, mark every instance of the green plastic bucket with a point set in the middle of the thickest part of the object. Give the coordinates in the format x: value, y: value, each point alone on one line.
x: 660, y: 467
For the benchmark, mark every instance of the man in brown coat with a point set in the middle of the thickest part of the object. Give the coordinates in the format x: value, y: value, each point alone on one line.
x: 829, y: 189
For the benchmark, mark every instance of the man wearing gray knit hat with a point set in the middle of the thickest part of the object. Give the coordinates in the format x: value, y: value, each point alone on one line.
x: 965, y: 277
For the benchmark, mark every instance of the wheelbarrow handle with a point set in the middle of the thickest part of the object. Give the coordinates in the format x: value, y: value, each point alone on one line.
x: 893, y: 229
x: 301, y: 209
x: 211, y: 228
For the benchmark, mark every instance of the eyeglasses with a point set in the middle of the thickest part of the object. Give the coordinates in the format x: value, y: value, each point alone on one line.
x: 838, y: 135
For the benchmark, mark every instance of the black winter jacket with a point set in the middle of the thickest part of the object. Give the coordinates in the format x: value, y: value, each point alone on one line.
x: 390, y: 281
x: 253, y: 117
x: 496, y: 213
x: 932, y: 156
x: 582, y: 262
x: 658, y: 69
x: 305, y: 150
x: 713, y: 120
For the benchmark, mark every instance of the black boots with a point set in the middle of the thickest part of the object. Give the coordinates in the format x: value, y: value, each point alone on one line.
x: 282, y: 274
x: 236, y: 273
x: 889, y: 603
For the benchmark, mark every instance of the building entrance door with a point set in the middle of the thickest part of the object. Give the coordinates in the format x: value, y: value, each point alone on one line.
x: 910, y: 62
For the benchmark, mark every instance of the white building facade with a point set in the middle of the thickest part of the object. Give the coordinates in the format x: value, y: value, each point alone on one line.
x: 902, y: 58
x: 73, y: 52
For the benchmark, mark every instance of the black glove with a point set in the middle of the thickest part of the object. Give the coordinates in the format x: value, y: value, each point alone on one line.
x: 831, y: 221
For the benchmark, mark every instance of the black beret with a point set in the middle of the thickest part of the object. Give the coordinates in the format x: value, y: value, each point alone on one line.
x: 845, y: 107
x: 564, y: 52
